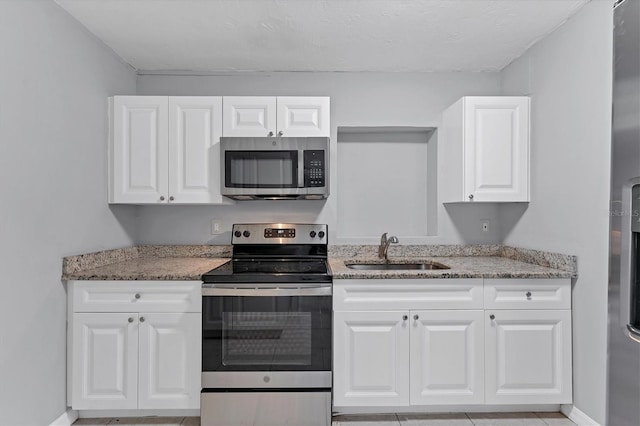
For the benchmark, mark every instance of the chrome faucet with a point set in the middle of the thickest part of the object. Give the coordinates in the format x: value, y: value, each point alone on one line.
x: 384, y: 245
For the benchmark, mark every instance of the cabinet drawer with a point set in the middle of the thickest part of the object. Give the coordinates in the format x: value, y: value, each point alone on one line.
x: 136, y: 296
x: 527, y: 294
x: 392, y: 294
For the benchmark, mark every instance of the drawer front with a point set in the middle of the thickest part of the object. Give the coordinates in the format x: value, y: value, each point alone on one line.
x: 527, y: 293
x: 393, y: 294
x: 136, y: 296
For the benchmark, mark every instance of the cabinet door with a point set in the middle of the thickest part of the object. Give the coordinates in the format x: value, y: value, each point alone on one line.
x: 170, y: 360
x: 528, y: 357
x: 249, y: 116
x: 371, y: 359
x: 195, y: 127
x: 447, y: 357
x: 496, y: 148
x: 105, y: 359
x: 139, y: 154
x: 303, y: 116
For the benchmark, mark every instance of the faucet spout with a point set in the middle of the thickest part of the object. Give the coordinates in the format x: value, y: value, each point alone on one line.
x: 385, y: 242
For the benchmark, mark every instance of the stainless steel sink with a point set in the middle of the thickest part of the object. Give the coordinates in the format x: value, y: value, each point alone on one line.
x: 395, y: 266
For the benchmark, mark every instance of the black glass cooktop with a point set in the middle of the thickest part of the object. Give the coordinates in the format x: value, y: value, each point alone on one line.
x: 270, y: 270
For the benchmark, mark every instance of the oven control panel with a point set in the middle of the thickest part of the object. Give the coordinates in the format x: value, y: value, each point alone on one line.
x: 279, y: 233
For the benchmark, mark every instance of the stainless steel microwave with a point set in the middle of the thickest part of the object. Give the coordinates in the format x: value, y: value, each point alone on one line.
x: 275, y: 168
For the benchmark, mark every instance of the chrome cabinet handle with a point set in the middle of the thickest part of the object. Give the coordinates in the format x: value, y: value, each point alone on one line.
x: 416, y: 317
x: 137, y: 296
x: 280, y: 133
x: 528, y: 294
x: 171, y: 198
x: 492, y: 317
x: 404, y: 317
x: 141, y: 319
x: 270, y: 134
x: 162, y: 198
x: 130, y: 319
x: 471, y: 196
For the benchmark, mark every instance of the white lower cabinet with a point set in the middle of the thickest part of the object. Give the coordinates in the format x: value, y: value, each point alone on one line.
x: 398, y: 358
x: 104, y: 372
x: 393, y: 356
x: 528, y: 358
x: 371, y: 358
x: 138, y: 359
x: 169, y: 348
x: 447, y: 357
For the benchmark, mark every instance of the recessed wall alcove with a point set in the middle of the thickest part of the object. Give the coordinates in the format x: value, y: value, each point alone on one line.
x: 387, y: 182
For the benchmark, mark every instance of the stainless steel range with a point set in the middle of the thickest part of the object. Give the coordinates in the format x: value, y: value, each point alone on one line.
x: 266, y: 329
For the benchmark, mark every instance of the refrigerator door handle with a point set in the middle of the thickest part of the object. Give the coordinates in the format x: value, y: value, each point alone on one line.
x: 634, y: 333
x: 629, y: 226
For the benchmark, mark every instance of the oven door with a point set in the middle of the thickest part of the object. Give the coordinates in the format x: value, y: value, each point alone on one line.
x: 266, y: 337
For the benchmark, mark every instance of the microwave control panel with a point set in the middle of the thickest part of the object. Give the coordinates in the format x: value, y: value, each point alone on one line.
x: 314, y: 168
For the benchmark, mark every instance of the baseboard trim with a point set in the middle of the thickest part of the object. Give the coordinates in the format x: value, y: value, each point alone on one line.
x: 477, y: 408
x: 577, y: 416
x: 66, y: 419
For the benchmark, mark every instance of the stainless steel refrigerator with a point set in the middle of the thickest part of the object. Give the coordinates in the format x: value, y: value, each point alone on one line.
x: 623, y: 393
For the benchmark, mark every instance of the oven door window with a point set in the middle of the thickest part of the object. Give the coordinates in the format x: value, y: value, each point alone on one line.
x: 275, y: 333
x: 261, y: 169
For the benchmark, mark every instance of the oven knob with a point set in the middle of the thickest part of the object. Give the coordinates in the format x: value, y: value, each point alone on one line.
x: 238, y: 234
x: 321, y: 234
x: 246, y: 234
x: 312, y: 234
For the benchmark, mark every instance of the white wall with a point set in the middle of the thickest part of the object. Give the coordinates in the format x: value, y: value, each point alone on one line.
x: 568, y: 76
x: 358, y: 100
x: 54, y: 81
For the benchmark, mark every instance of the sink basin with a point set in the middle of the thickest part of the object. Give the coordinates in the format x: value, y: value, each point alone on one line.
x: 395, y: 266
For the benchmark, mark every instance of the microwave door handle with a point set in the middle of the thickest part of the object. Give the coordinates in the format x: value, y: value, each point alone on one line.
x: 300, y: 168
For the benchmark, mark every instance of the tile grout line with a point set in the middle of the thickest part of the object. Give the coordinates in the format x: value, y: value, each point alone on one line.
x: 470, y: 419
x: 543, y: 420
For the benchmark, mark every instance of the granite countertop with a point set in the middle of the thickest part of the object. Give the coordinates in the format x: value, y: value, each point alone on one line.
x: 464, y: 261
x: 460, y: 267
x: 186, y: 263
x: 175, y: 263
x: 150, y: 268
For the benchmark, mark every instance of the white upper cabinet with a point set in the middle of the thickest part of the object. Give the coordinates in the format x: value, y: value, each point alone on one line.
x: 303, y: 116
x: 195, y: 127
x: 249, y: 116
x: 165, y: 150
x: 485, y: 150
x: 288, y: 116
x: 138, y: 153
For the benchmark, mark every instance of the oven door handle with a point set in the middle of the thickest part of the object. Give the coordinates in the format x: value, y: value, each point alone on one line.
x: 221, y: 290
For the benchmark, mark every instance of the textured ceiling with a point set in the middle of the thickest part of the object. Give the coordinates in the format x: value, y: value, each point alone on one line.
x: 320, y: 35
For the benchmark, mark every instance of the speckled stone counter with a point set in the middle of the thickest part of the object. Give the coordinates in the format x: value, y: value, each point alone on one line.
x: 459, y: 267
x: 178, y: 263
x: 464, y: 261
x: 189, y: 262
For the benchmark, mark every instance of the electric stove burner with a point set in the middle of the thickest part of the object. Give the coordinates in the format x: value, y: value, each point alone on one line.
x: 257, y: 258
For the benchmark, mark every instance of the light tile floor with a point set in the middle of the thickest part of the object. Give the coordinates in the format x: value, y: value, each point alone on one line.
x: 444, y: 419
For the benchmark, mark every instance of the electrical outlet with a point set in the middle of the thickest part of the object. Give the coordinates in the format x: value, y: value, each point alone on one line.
x: 484, y: 225
x: 216, y: 227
